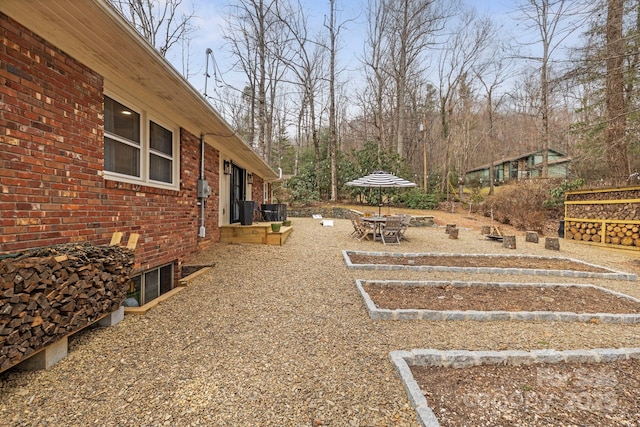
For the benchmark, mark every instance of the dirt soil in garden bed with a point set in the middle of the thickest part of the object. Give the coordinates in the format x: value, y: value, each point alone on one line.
x: 496, y: 298
x: 565, y: 394
x: 494, y: 261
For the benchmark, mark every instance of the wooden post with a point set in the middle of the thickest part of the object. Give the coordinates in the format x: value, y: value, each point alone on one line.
x: 453, y: 233
x: 509, y: 242
x: 552, y: 243
x: 531, y: 236
x: 449, y: 228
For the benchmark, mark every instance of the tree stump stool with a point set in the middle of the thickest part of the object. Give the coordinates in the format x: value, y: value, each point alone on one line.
x: 552, y: 243
x: 449, y: 228
x: 453, y: 233
x: 509, y: 242
x: 485, y: 229
x: 531, y: 236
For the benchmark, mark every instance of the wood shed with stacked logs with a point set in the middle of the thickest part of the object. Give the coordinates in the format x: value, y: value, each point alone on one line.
x: 49, y: 293
x: 609, y: 216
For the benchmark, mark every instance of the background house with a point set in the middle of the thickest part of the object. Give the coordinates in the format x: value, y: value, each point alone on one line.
x: 523, y: 166
x: 98, y: 133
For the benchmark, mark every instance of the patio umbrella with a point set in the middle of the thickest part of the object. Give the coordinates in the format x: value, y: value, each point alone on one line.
x: 380, y: 179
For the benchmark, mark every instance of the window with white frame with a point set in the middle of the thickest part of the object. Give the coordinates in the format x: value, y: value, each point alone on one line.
x: 137, y: 148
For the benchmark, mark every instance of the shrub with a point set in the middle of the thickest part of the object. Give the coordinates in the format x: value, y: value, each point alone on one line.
x: 521, y: 205
x: 415, y: 198
x: 556, y: 194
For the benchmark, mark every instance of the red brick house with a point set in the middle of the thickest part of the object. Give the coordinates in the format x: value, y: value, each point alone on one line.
x: 98, y: 133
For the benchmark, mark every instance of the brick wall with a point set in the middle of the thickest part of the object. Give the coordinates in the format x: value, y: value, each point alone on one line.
x: 51, y: 162
x: 256, y: 189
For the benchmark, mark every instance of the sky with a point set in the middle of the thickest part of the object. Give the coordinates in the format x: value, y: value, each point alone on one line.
x: 210, y: 23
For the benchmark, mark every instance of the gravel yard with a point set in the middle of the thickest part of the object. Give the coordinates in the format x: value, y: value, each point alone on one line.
x: 278, y: 336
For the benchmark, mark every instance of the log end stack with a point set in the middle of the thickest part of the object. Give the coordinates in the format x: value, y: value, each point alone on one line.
x: 49, y: 293
x: 614, y: 234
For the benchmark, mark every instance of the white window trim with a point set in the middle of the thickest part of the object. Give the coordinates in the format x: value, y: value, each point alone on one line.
x: 146, y: 117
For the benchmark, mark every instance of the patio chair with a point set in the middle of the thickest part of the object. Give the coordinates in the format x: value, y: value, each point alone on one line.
x: 364, y: 228
x: 406, y: 220
x: 354, y: 222
x: 391, y: 230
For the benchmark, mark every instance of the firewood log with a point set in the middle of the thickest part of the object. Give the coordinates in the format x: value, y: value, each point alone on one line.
x: 47, y: 293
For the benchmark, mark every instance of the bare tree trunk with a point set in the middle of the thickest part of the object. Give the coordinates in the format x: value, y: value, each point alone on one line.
x: 615, y: 102
x: 401, y: 79
x: 333, y: 138
x: 492, y: 140
x: 262, y: 78
x: 544, y: 99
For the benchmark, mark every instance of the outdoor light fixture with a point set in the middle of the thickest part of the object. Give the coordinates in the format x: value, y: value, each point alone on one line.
x: 250, y: 178
x: 226, y: 167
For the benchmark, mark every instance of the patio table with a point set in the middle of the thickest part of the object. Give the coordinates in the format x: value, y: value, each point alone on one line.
x: 378, y: 224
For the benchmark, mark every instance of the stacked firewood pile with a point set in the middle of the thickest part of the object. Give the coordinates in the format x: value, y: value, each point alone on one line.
x: 600, y: 209
x: 616, y: 234
x: 617, y: 210
x: 622, y: 211
x: 48, y: 293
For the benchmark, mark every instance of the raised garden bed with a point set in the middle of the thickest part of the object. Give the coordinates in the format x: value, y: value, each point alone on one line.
x: 445, y: 300
x: 537, y: 388
x: 495, y: 264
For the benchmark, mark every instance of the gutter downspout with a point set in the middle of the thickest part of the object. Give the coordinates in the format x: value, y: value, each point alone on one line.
x: 202, y: 231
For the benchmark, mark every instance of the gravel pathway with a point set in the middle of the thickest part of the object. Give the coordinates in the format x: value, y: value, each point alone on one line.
x: 278, y: 336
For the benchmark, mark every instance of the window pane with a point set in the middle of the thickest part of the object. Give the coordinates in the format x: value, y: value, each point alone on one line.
x: 133, y: 294
x: 151, y: 286
x: 160, y: 169
x: 121, y: 121
x: 166, y: 278
x: 121, y: 158
x: 160, y: 139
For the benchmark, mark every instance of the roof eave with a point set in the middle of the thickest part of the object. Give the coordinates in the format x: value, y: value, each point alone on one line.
x: 115, y: 46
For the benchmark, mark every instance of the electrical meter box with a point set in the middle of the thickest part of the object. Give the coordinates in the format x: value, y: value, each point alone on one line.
x: 204, y: 190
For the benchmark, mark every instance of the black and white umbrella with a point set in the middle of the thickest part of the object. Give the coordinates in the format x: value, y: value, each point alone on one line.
x: 381, y: 179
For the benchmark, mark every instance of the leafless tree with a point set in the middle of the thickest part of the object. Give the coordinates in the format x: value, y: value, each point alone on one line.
x: 304, y: 60
x: 375, y: 60
x: 553, y: 21
x: 492, y: 72
x: 164, y: 23
x: 461, y: 52
x: 334, y: 29
x: 255, y: 33
x: 606, y: 77
x: 412, y: 28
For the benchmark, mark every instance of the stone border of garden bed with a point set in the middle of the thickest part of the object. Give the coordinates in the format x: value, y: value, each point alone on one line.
x: 376, y: 313
x: 616, y: 275
x: 403, y: 360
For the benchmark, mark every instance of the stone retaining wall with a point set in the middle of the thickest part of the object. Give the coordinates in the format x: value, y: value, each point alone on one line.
x: 343, y: 213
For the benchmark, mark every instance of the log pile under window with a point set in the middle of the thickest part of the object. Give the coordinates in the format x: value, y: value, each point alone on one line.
x: 49, y: 293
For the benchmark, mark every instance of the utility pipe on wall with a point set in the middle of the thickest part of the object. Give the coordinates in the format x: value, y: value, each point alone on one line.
x: 202, y: 231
